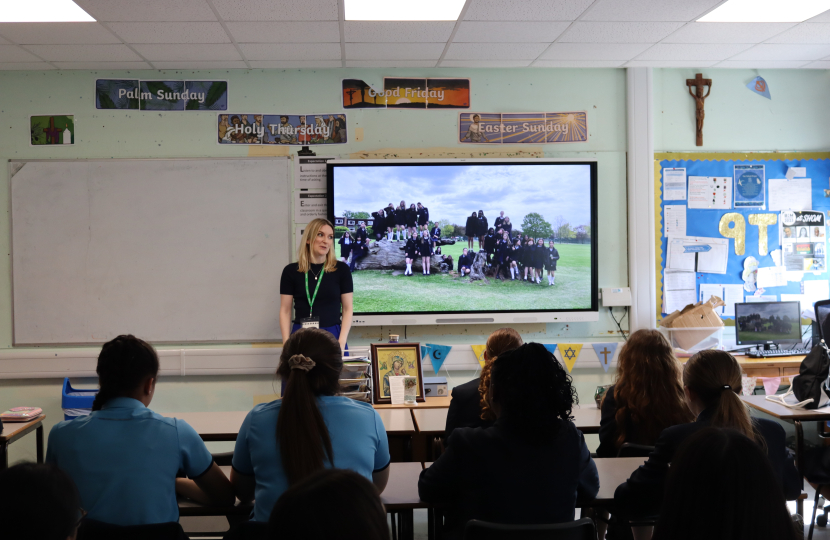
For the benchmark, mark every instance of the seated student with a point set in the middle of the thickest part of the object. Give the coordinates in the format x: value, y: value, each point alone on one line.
x: 647, y: 396
x: 38, y: 502
x: 721, y: 486
x: 712, y: 383
x: 123, y: 457
x: 311, y: 427
x: 531, y: 466
x: 468, y: 407
x: 352, y: 509
x: 465, y: 263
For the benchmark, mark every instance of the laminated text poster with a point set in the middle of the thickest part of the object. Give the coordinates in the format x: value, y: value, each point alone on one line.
x: 803, y: 241
x: 750, y: 186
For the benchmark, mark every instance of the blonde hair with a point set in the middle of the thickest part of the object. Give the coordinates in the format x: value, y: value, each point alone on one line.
x: 309, y: 234
x: 500, y: 341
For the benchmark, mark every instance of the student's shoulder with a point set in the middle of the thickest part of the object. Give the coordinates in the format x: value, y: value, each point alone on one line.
x: 770, y: 429
x: 341, y: 267
x: 350, y: 407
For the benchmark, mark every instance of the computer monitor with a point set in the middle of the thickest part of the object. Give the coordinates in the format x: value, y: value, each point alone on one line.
x: 822, y: 308
x: 768, y: 323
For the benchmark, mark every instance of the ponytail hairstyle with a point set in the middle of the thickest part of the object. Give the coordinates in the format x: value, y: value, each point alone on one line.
x: 715, y: 376
x: 123, y: 365
x: 310, y: 364
x: 500, y: 341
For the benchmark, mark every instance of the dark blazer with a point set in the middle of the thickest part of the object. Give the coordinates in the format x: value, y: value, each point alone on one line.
x: 423, y: 215
x: 492, y: 474
x: 641, y: 495
x: 472, y: 226
x: 465, y: 260
x: 465, y: 406
x: 435, y: 234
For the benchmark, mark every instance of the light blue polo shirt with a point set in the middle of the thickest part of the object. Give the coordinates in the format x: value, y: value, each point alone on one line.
x: 358, y: 440
x: 124, y: 459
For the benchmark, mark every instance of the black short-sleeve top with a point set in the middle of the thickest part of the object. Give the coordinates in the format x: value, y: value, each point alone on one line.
x: 327, y: 303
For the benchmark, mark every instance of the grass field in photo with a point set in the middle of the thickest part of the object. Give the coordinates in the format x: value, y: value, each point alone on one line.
x: 378, y: 291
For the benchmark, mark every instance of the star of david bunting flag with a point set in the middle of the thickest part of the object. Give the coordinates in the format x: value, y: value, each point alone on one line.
x: 478, y: 350
x: 570, y: 352
x: 605, y: 353
x: 436, y: 354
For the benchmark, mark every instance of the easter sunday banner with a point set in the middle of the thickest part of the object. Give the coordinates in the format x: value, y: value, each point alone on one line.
x: 522, y: 128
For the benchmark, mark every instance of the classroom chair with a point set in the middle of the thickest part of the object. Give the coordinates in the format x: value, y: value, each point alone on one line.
x: 582, y: 529
x: 250, y: 530
x: 97, y: 530
x: 634, y: 450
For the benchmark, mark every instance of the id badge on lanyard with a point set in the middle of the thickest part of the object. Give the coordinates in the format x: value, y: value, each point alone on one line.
x: 311, y: 321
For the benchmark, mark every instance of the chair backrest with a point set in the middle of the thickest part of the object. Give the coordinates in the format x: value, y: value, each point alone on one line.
x: 97, y: 530
x: 582, y: 529
x: 634, y: 450
x: 248, y: 530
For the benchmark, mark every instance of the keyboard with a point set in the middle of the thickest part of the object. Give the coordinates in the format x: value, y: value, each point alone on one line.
x: 776, y: 352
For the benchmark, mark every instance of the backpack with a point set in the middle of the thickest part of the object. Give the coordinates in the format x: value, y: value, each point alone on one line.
x: 811, y: 378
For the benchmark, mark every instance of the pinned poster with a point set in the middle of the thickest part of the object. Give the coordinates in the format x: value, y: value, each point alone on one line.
x: 436, y: 353
x: 605, y: 353
x: 760, y: 87
x: 49, y: 130
x: 551, y: 348
x: 570, y: 352
x: 478, y: 350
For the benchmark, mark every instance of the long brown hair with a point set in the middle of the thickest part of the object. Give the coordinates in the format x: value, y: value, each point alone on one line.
x: 310, y: 363
x: 500, y: 341
x: 309, y: 234
x: 715, y: 376
x: 648, y: 390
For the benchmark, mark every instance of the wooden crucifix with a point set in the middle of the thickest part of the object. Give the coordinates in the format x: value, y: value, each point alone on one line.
x: 699, y: 82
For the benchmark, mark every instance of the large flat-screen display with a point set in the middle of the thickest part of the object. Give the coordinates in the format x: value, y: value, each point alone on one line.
x: 499, y: 207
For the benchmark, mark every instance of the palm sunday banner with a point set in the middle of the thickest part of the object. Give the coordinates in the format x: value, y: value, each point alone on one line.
x: 167, y: 95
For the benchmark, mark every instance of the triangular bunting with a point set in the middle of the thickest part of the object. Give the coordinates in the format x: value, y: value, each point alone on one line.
x: 570, y: 352
x: 605, y: 353
x: 760, y: 87
x: 478, y: 350
x: 551, y: 348
x: 436, y: 354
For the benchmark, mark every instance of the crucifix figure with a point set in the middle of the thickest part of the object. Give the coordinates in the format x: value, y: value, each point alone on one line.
x: 699, y: 82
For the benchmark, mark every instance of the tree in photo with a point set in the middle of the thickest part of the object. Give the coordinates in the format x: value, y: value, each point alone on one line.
x: 583, y: 233
x: 348, y: 214
x: 535, y: 226
x: 561, y: 228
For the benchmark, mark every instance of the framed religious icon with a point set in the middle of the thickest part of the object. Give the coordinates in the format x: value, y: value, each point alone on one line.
x: 395, y: 359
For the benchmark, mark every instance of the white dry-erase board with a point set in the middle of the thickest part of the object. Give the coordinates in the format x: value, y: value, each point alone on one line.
x: 170, y: 250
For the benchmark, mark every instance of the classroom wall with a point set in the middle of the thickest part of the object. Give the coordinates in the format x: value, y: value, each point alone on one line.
x: 400, y: 133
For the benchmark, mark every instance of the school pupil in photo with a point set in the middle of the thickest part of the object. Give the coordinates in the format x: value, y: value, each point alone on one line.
x: 435, y: 248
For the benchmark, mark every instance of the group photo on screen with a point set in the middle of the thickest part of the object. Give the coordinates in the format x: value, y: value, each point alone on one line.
x: 449, y: 238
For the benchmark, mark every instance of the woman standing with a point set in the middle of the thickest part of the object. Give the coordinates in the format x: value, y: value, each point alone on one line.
x: 412, y: 221
x: 482, y: 229
x: 540, y: 257
x: 553, y: 256
x: 379, y: 224
x: 515, y: 257
x: 410, y: 254
x: 400, y: 221
x: 425, y: 251
x: 345, y: 242
x: 389, y: 220
x: 317, y: 286
x: 471, y: 229
x: 490, y: 244
x: 507, y: 226
x: 528, y: 257
x: 423, y: 217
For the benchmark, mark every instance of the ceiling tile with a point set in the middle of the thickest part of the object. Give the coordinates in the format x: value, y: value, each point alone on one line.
x: 821, y: 64
x: 391, y: 63
x: 693, y: 52
x: 495, y: 51
x: 27, y: 66
x: 624, y: 32
x: 103, y: 65
x: 5, y: 41
x: 291, y: 51
x: 57, y: 33
x: 803, y: 33
x: 578, y: 63
x: 288, y: 64
x: 712, y: 32
x: 484, y: 63
x: 508, y: 32
x: 285, y: 32
x: 171, y: 52
x: 282, y: 10
x: 394, y: 51
x: 526, y: 10
x: 761, y: 64
x: 13, y: 53
x: 670, y: 63
x: 155, y: 10
x: 84, y: 53
x: 821, y: 17
x: 170, y: 32
x: 649, y: 10
x: 222, y: 64
x: 771, y: 52
x: 398, y: 31
x: 594, y: 51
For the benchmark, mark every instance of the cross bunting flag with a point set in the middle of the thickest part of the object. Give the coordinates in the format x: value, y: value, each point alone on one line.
x: 436, y: 353
x: 478, y: 350
x: 760, y: 87
x: 605, y: 353
x: 570, y: 352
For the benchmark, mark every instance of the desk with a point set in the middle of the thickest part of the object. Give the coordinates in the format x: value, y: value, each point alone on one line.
x: 190, y: 508
x: 613, y: 472
x: 586, y: 418
x: 13, y: 431
x: 438, y: 402
x: 782, y: 366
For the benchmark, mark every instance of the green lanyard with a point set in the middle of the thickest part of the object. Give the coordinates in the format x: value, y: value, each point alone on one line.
x: 317, y: 288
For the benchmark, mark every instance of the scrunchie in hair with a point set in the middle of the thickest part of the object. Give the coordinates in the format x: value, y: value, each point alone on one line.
x: 298, y: 361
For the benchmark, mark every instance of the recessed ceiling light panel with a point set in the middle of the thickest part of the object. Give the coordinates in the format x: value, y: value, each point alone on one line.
x: 766, y: 11
x: 397, y: 10
x: 42, y: 11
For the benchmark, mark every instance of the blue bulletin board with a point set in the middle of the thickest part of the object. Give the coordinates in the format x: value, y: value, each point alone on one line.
x: 705, y: 222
